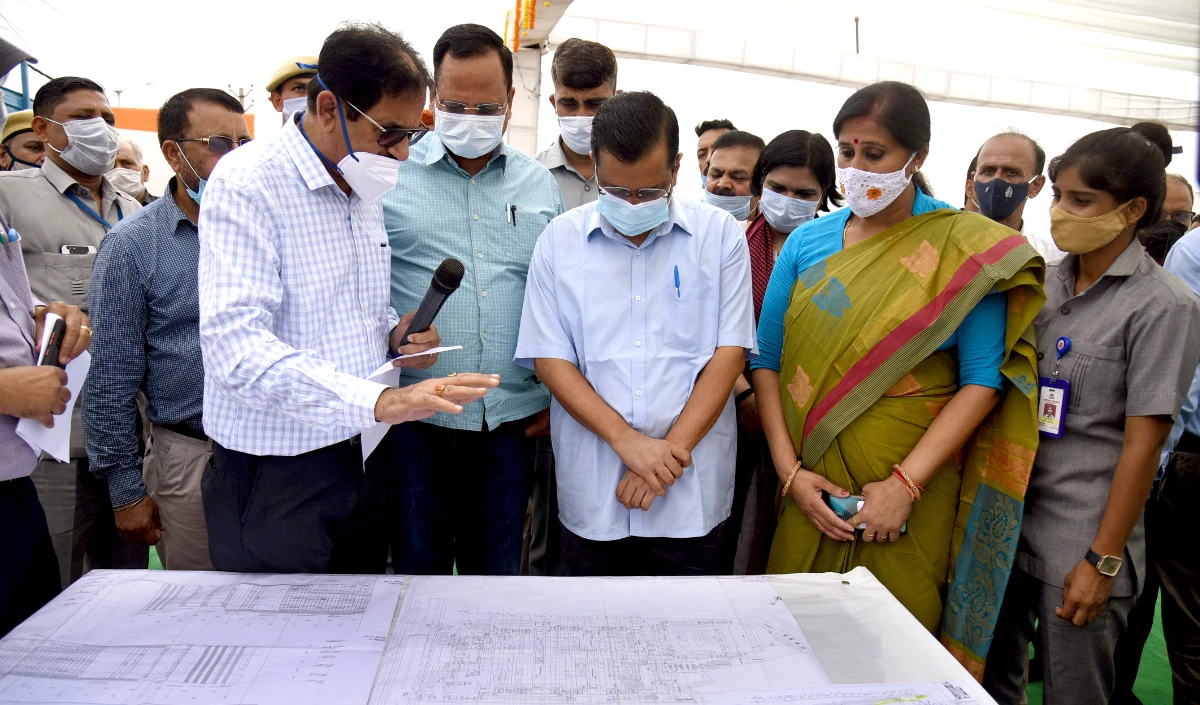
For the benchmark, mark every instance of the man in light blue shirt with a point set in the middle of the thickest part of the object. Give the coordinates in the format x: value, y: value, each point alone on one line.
x: 638, y: 317
x: 465, y: 194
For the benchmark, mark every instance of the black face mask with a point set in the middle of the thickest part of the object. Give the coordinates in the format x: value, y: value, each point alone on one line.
x: 1158, y: 239
x: 998, y: 198
x: 16, y: 161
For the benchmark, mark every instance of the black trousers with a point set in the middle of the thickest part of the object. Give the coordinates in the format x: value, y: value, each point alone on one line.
x: 638, y: 555
x: 1177, y: 562
x: 277, y: 514
x: 28, y: 566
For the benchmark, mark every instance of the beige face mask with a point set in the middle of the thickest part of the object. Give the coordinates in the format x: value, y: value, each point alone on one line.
x: 1082, y: 235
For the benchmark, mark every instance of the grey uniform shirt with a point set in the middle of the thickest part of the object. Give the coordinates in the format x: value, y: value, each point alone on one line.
x: 34, y: 202
x: 17, y: 459
x: 1135, y: 343
x: 575, y: 189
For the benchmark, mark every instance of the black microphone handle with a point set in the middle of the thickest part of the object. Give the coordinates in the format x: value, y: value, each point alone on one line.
x: 430, y: 305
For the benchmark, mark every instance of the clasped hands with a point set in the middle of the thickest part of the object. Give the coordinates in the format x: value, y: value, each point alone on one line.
x: 653, y: 464
x: 886, y: 507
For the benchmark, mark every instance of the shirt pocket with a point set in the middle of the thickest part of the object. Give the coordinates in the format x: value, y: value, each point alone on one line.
x: 67, y: 277
x: 690, y: 319
x: 1097, y: 378
x: 518, y: 250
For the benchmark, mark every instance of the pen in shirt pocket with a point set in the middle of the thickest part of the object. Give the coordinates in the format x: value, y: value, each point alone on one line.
x: 677, y: 295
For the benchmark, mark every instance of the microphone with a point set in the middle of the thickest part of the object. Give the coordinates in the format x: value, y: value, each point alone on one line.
x: 446, y: 279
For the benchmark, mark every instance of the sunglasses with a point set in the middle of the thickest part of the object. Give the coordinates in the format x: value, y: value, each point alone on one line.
x: 217, y: 144
x: 392, y: 136
x: 485, y: 109
x: 643, y: 194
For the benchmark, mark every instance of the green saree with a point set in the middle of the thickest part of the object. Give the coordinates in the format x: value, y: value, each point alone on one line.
x: 861, y: 381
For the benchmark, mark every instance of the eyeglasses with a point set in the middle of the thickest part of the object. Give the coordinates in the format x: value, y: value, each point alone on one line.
x: 392, y: 136
x: 643, y: 194
x: 1182, y: 217
x: 487, y: 109
x: 217, y: 144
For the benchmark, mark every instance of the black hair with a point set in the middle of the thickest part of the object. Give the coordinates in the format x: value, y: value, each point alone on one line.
x: 583, y: 65
x: 466, y: 41
x: 900, y: 109
x: 629, y: 125
x: 173, y: 115
x: 1124, y: 162
x: 739, y: 138
x: 51, y: 95
x: 713, y: 125
x: 799, y: 148
x: 362, y: 63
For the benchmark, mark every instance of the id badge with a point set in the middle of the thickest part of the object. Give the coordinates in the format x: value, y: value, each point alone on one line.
x: 1053, y: 395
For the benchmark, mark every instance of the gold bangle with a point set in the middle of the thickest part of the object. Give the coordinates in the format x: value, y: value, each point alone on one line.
x: 788, y: 485
x: 913, y: 488
x: 131, y: 505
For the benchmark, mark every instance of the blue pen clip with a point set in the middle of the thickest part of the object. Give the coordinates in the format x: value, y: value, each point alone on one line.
x: 677, y: 295
x: 1061, y: 348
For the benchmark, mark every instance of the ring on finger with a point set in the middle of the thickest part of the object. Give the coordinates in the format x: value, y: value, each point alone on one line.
x: 89, y: 330
x: 868, y: 537
x: 883, y: 537
x: 438, y: 390
x: 452, y: 374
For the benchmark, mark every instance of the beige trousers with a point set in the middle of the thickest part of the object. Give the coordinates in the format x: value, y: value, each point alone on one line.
x: 172, y: 471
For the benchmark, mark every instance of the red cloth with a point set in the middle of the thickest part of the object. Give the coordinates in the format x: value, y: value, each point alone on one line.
x: 762, y: 259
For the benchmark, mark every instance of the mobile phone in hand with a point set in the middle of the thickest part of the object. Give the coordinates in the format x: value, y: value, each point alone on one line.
x: 54, y: 343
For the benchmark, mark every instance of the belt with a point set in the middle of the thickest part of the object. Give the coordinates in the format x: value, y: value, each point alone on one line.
x: 351, y: 442
x: 184, y: 430
x: 1189, y: 443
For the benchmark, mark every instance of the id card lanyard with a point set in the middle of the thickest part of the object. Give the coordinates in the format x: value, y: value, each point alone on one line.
x: 1053, y: 396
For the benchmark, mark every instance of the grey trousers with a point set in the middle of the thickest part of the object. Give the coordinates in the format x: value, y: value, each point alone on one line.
x: 172, y: 471
x: 1078, y: 661
x: 80, y: 517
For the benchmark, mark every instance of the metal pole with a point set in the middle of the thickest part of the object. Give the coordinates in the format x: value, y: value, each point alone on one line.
x: 26, y: 103
x: 856, y: 34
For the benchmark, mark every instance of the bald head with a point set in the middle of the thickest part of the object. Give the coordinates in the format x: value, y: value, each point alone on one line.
x: 129, y: 156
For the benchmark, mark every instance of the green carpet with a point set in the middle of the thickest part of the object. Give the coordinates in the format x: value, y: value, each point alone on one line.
x: 1153, y: 682
x: 1154, y: 676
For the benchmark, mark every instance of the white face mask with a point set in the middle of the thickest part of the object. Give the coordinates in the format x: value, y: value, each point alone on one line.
x: 371, y: 175
x: 91, y: 145
x: 868, y: 193
x: 737, y: 206
x: 577, y: 133
x: 469, y: 136
x: 127, y: 180
x: 785, y: 213
x: 293, y: 105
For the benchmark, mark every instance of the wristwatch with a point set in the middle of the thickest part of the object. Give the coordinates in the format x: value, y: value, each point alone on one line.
x: 1107, y: 565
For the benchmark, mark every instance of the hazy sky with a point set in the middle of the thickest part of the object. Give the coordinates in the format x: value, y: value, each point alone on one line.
x: 150, y: 50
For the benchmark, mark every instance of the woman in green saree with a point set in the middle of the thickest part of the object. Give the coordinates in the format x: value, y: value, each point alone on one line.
x: 898, y: 363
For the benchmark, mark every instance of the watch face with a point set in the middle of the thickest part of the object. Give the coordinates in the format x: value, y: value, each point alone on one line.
x: 1109, y: 565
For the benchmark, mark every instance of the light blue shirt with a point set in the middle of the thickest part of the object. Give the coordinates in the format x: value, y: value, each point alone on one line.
x: 979, y: 338
x: 439, y: 211
x: 612, y: 309
x: 293, y: 301
x: 1184, y: 262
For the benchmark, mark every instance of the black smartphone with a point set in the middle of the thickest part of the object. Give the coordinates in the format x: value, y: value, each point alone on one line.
x: 54, y: 343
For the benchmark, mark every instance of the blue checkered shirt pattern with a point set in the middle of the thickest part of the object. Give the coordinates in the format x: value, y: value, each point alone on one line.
x: 294, y: 308
x: 439, y: 211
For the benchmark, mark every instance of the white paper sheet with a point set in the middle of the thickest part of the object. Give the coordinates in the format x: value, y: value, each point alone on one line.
x: 431, y: 351
x: 175, y: 638
x: 56, y: 441
x: 927, y: 693
x: 590, y: 640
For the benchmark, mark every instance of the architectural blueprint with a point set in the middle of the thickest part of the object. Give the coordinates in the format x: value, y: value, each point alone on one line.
x: 126, y: 637
x: 929, y: 693
x: 590, y: 641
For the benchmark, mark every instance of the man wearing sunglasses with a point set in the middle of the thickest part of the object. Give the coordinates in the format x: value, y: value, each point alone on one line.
x: 465, y: 194
x: 146, y: 311
x: 63, y: 211
x: 638, y: 317
x: 294, y: 315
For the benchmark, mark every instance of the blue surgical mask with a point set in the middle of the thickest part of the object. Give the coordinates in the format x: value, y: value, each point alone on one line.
x: 737, y: 206
x: 704, y: 181
x: 200, y: 190
x: 632, y: 220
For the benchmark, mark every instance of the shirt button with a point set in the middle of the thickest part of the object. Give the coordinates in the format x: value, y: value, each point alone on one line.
x: 637, y: 253
x: 476, y: 216
x: 637, y: 298
x: 483, y: 293
x: 638, y: 392
x: 587, y: 187
x: 472, y: 182
x: 485, y: 336
x: 1065, y: 309
x: 1041, y: 356
x: 479, y: 255
x: 638, y: 343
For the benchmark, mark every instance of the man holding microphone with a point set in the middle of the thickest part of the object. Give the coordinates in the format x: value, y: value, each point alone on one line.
x: 294, y: 288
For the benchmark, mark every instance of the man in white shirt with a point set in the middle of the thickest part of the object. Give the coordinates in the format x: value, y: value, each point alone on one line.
x: 730, y: 167
x: 638, y: 317
x: 294, y: 285
x: 1008, y: 173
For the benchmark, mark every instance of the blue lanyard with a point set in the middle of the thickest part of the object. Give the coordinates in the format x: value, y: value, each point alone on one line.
x: 83, y: 206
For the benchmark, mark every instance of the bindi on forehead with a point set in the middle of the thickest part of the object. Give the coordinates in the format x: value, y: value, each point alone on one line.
x: 856, y: 141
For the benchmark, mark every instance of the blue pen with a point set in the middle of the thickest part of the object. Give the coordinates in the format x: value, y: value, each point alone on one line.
x: 677, y: 281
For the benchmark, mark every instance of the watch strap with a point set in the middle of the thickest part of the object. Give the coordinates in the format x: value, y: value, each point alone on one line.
x: 1093, y: 557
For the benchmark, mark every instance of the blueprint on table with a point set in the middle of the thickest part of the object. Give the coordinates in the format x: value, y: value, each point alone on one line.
x: 590, y: 640
x: 168, y: 638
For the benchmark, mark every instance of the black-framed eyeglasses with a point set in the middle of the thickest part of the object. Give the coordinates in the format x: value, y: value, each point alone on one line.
x: 1182, y: 217
x: 643, y: 194
x: 392, y: 136
x: 486, y: 109
x: 217, y: 144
